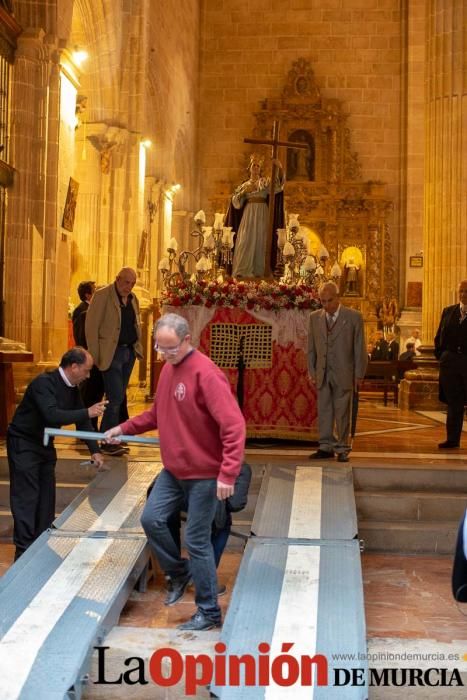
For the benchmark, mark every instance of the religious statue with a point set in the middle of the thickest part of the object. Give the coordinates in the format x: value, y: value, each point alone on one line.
x: 248, y: 215
x: 388, y: 313
x: 351, y: 277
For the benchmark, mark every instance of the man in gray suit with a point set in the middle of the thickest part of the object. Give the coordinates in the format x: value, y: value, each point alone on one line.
x: 337, y: 361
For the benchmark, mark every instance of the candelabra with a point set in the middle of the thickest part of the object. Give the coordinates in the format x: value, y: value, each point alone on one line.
x: 212, y: 257
x: 297, y: 262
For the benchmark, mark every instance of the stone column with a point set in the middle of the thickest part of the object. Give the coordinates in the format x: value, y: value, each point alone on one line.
x: 31, y: 209
x: 445, y: 226
x: 445, y: 208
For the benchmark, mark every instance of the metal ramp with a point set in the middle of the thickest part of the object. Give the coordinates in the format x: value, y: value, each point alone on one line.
x: 300, y: 583
x: 113, y: 501
x: 306, y: 503
x: 65, y: 593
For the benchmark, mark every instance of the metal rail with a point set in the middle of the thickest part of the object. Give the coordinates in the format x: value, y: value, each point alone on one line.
x: 91, y: 435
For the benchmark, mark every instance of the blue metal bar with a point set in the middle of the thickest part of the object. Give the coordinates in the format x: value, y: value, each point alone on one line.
x: 90, y: 435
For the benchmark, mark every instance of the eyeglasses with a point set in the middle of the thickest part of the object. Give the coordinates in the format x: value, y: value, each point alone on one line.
x: 168, y: 351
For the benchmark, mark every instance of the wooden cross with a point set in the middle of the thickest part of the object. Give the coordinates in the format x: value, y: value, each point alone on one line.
x: 274, y: 142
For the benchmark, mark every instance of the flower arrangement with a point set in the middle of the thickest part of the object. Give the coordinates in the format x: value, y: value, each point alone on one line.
x: 271, y: 296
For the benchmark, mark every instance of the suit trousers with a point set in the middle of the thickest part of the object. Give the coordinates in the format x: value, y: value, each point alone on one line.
x: 167, y: 498
x: 334, y: 413
x: 32, y: 490
x: 453, y: 381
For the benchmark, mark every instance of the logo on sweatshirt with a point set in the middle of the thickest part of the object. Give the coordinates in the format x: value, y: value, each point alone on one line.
x: 180, y: 391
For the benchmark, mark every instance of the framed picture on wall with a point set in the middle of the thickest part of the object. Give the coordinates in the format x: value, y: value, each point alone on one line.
x: 69, y: 210
x: 416, y: 261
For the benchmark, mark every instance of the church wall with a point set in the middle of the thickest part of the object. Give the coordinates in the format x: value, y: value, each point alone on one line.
x: 354, y: 47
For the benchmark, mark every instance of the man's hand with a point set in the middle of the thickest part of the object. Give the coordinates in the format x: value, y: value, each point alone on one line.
x: 98, y: 460
x: 111, y: 436
x: 97, y: 409
x: 224, y: 490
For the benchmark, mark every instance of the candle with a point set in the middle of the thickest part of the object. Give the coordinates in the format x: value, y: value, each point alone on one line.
x: 226, y: 231
x: 336, y: 270
x: 164, y: 265
x: 209, y: 242
x: 323, y: 252
x: 281, y: 233
x: 310, y: 263
x: 293, y: 222
x: 218, y: 220
x: 289, y: 250
x: 173, y: 245
x: 201, y: 264
x: 200, y: 217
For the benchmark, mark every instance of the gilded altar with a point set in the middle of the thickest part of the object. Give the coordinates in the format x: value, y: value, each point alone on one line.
x: 324, y: 186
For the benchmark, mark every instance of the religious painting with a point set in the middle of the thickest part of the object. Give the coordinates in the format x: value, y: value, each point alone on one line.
x: 143, y: 244
x: 69, y: 211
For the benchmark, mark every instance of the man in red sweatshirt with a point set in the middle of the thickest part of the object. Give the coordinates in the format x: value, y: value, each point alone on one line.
x: 202, y: 440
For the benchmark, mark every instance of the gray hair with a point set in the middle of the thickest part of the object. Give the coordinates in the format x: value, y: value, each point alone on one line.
x: 332, y: 286
x: 174, y: 322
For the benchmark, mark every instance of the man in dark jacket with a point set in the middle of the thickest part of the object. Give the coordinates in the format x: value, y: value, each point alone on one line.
x: 451, y: 351
x: 85, y: 293
x: 380, y: 348
x: 92, y: 389
x: 409, y: 353
x: 51, y: 400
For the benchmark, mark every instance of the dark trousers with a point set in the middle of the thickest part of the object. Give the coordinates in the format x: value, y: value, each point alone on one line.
x: 169, y: 496
x: 92, y: 391
x: 116, y: 380
x: 32, y: 490
x: 453, y: 381
x: 219, y: 536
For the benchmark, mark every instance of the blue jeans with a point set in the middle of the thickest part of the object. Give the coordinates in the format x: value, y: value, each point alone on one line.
x: 168, y: 496
x: 116, y: 380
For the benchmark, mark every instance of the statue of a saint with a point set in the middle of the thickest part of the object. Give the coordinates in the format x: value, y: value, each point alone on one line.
x: 351, y: 277
x: 251, y: 220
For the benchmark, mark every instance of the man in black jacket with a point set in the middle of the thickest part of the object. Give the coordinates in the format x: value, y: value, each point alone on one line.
x: 51, y: 400
x: 92, y: 389
x: 451, y: 351
x: 85, y: 292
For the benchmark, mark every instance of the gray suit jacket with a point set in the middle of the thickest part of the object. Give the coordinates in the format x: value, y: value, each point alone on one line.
x: 342, y: 353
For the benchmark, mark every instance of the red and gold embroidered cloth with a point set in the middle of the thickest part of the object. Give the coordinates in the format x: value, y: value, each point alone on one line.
x: 279, y: 401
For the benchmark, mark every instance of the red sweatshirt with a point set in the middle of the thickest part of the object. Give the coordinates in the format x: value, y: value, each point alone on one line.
x: 201, y: 427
